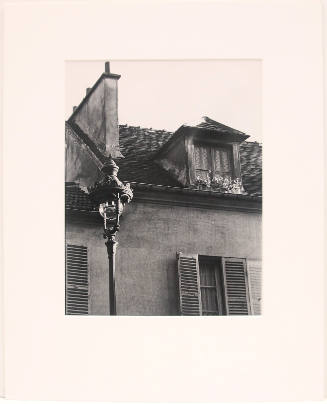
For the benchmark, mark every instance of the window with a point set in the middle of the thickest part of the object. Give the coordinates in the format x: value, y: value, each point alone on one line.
x: 77, y: 300
x: 212, y: 161
x: 213, y: 286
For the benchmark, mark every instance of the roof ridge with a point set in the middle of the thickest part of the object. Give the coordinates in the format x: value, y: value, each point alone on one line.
x: 211, y: 121
x: 252, y: 141
x: 168, y: 132
x: 144, y: 128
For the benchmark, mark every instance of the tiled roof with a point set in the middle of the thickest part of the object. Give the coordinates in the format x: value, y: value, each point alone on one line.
x: 139, y: 145
x: 251, y: 167
x: 77, y: 199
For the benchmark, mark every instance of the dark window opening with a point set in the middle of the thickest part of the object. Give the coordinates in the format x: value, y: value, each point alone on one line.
x: 212, y: 286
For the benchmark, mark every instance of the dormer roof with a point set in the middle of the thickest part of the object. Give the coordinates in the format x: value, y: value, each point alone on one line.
x: 205, y: 127
x: 217, y: 158
x: 217, y: 128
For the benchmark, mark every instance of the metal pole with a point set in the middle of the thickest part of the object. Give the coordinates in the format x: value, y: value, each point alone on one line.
x: 111, y: 244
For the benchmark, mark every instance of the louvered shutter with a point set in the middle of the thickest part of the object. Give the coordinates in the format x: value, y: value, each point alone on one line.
x: 189, y: 285
x: 77, y: 300
x: 254, y: 272
x: 236, y: 286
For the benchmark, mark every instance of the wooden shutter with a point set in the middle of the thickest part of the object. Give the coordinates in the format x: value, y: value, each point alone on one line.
x: 189, y: 285
x: 77, y: 300
x: 236, y: 286
x: 254, y: 272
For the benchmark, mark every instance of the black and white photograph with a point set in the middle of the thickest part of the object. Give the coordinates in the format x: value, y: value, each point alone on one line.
x: 164, y: 210
x: 163, y: 188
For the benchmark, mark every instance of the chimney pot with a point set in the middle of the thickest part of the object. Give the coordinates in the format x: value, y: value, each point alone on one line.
x: 107, y: 67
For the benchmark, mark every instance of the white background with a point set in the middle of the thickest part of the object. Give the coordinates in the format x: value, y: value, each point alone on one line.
x: 165, y: 94
x: 277, y: 356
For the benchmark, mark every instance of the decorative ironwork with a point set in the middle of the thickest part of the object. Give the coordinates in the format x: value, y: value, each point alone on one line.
x: 110, y: 194
x: 110, y: 187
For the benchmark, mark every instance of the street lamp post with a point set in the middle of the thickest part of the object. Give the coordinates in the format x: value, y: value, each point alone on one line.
x: 110, y: 194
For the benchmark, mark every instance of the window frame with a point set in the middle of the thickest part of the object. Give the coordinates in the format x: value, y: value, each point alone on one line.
x: 212, y: 159
x: 234, y: 155
x: 234, y: 274
x: 220, y: 285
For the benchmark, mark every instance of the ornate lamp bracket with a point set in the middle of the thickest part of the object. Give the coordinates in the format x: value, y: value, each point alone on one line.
x: 110, y: 194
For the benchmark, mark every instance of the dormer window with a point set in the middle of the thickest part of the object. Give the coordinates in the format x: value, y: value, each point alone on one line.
x: 212, y: 162
x: 205, y: 156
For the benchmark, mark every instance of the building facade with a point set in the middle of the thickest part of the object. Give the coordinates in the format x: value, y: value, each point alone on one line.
x: 190, y: 240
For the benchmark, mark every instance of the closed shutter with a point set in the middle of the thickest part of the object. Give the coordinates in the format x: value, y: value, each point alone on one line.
x: 236, y: 286
x: 77, y: 300
x: 254, y: 272
x: 189, y: 285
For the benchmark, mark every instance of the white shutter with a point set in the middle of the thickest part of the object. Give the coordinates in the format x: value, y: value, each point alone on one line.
x: 255, y: 279
x: 236, y: 286
x: 189, y: 285
x: 77, y: 299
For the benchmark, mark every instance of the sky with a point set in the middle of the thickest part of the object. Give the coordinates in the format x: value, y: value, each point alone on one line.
x: 168, y: 94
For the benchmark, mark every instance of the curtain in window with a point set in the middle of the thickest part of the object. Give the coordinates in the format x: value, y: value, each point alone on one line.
x: 202, y: 162
x: 222, y: 162
x: 208, y: 288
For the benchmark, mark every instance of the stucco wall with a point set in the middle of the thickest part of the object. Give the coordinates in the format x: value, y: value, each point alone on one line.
x: 98, y: 116
x: 149, y: 238
x: 80, y: 164
x: 90, y: 118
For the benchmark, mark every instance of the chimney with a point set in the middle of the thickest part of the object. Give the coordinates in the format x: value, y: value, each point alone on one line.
x: 98, y: 114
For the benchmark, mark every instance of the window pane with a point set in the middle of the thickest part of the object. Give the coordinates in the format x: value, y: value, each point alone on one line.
x: 217, y: 160
x: 207, y: 274
x: 208, y: 288
x: 209, y: 300
x: 202, y: 157
x: 222, y: 162
x: 225, y: 164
